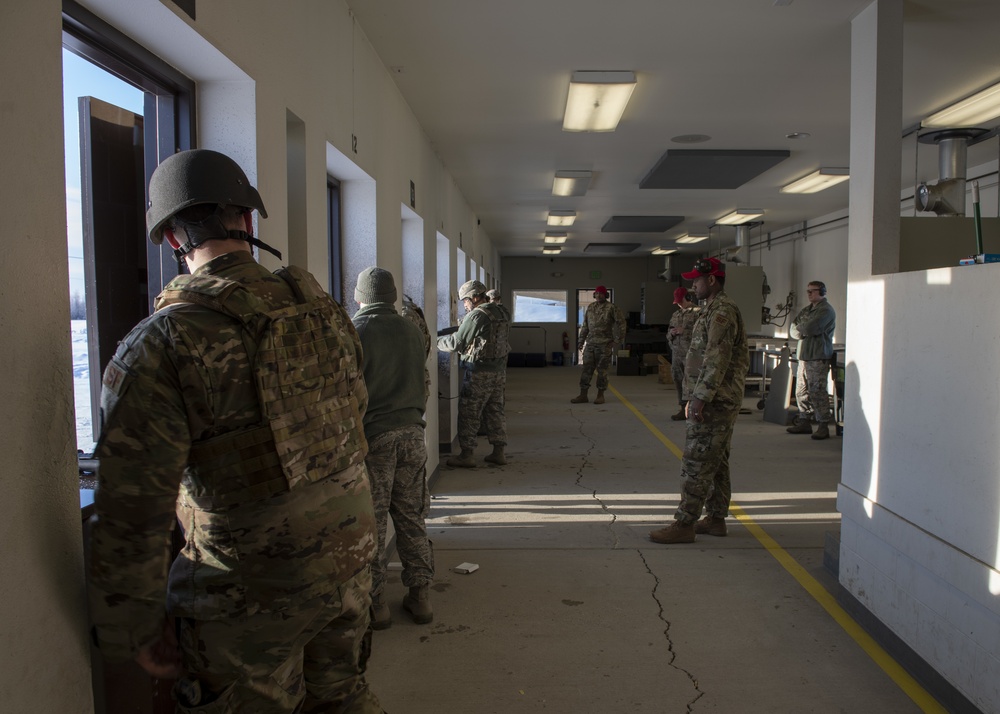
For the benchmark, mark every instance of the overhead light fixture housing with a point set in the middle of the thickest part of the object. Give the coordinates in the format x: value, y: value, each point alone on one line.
x: 555, y: 238
x: 975, y: 110
x: 817, y: 181
x: 597, y: 100
x: 739, y: 216
x: 561, y: 218
x: 664, y: 251
x: 691, y: 238
x: 551, y: 251
x: 571, y: 183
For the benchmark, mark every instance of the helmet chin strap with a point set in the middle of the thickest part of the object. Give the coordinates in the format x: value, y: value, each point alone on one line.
x: 212, y: 228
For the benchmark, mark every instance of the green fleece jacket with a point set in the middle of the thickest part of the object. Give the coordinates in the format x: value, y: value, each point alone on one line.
x: 393, y: 367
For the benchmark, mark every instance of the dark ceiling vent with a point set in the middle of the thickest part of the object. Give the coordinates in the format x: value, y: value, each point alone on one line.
x: 640, y: 224
x: 711, y: 168
x: 610, y: 248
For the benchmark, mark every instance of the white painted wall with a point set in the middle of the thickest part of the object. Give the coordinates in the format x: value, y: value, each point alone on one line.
x: 920, y: 492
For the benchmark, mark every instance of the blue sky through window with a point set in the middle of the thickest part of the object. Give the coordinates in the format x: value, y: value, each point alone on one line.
x: 82, y: 78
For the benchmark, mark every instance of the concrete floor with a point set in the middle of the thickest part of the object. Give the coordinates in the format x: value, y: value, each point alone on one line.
x: 573, y: 609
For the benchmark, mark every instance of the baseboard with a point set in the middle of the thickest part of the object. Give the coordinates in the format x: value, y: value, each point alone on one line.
x: 929, y: 678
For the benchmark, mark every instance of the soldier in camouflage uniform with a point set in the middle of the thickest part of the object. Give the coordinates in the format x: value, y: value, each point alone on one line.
x: 217, y: 414
x: 603, y: 327
x: 813, y: 327
x: 482, y: 342
x: 395, y: 359
x: 494, y: 296
x: 679, y: 337
x: 715, y: 373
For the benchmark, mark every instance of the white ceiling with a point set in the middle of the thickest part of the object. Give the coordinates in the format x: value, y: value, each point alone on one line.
x: 488, y: 82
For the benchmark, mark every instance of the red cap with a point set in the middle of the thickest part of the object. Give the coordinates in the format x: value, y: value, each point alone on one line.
x: 601, y: 289
x: 680, y: 294
x: 705, y: 266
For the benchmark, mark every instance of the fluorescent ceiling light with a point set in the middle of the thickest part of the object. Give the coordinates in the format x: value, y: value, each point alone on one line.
x: 597, y: 100
x: 978, y: 108
x: 740, y: 215
x: 664, y: 251
x: 691, y: 238
x: 555, y: 238
x: 561, y: 218
x: 551, y: 251
x: 571, y: 183
x: 817, y: 181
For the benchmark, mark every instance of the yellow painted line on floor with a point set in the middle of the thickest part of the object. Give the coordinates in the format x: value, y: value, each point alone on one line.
x: 920, y: 696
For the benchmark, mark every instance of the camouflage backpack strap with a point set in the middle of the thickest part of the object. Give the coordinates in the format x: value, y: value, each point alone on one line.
x: 304, y: 369
x: 216, y: 293
x: 497, y: 346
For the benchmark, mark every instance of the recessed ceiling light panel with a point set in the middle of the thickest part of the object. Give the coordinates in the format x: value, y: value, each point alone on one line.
x: 597, y: 100
x: 561, y: 218
x: 571, y: 183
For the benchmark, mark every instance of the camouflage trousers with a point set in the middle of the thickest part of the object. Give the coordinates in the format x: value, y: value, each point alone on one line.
x: 677, y: 372
x: 482, y: 399
x: 595, y: 358
x: 396, y: 461
x: 705, y: 466
x: 308, y: 659
x: 811, y: 394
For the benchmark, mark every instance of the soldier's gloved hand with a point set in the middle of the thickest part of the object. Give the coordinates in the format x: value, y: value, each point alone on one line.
x: 162, y: 659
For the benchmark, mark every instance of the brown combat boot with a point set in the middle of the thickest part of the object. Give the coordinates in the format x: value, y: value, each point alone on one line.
x: 676, y: 532
x: 599, y: 399
x: 581, y: 398
x: 463, y: 460
x: 679, y: 416
x: 496, y: 457
x: 801, y: 426
x: 822, y: 431
x: 381, y: 617
x: 418, y: 604
x: 712, y: 525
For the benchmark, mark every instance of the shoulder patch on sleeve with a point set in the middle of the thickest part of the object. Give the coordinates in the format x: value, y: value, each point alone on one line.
x: 114, y: 378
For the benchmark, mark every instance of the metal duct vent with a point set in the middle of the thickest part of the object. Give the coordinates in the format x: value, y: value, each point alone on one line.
x: 667, y: 273
x: 740, y: 253
x: 946, y: 197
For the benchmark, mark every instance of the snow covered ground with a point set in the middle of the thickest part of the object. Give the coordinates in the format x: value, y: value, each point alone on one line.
x: 81, y: 387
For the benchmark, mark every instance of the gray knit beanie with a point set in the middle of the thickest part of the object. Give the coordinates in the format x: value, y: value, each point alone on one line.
x: 375, y: 285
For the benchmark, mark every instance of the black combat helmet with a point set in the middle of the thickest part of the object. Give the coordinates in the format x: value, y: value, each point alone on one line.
x: 189, y: 178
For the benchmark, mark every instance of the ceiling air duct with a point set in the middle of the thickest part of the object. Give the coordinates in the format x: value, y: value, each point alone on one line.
x: 740, y: 253
x: 946, y: 197
x: 667, y: 272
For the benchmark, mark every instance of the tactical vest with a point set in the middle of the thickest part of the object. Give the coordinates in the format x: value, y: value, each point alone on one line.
x: 311, y: 424
x: 498, y: 344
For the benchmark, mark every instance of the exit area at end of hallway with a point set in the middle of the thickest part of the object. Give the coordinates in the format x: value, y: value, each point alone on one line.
x: 573, y: 609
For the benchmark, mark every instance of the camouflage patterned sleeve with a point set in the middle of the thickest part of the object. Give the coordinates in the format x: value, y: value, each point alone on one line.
x: 722, y: 330
x: 620, y: 327
x: 142, y: 450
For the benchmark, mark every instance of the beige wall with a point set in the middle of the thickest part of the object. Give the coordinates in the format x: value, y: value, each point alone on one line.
x: 44, y: 657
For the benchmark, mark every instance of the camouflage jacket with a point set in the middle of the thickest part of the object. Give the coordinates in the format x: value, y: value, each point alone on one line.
x: 716, y: 366
x: 683, y: 319
x: 482, y: 339
x: 181, y: 384
x: 602, y: 323
x: 813, y: 327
